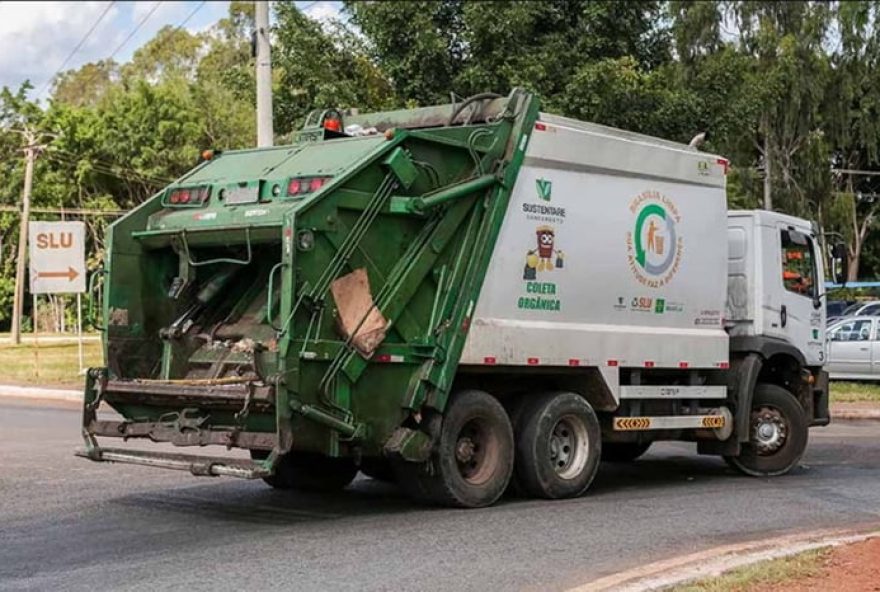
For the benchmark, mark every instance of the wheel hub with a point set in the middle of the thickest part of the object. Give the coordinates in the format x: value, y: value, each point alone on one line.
x: 769, y: 430
x: 568, y: 447
x: 560, y: 446
x: 464, y: 450
x: 477, y: 451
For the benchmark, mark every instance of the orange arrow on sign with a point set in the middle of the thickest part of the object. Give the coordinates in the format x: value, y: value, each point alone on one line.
x: 71, y: 274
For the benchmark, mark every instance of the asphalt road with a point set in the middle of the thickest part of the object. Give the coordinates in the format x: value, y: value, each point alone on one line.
x: 70, y: 524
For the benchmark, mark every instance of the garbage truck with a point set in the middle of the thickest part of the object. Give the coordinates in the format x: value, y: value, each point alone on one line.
x: 465, y: 299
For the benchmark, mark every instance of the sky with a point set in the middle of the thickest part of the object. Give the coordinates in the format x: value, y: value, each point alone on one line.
x: 37, y: 37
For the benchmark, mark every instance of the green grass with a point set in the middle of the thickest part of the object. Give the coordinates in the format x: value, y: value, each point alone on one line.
x: 774, y: 571
x: 47, y: 364
x: 855, y: 392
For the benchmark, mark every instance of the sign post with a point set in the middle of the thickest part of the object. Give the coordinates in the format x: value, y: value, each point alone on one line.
x: 58, y: 264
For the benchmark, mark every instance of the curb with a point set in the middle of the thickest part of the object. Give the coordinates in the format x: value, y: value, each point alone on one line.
x: 846, y: 414
x: 715, y: 562
x: 28, y: 392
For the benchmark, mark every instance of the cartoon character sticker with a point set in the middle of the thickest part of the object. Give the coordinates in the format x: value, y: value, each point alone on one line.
x: 542, y: 257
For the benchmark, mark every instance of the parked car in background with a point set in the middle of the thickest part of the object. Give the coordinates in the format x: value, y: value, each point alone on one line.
x: 834, y: 309
x: 865, y: 308
x: 854, y: 348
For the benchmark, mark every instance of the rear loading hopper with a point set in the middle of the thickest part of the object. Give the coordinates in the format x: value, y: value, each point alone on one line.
x: 311, y: 298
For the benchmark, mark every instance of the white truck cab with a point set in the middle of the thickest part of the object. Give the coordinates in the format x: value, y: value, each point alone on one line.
x: 776, y: 282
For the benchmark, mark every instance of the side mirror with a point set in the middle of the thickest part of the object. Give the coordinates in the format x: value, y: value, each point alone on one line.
x: 840, y: 263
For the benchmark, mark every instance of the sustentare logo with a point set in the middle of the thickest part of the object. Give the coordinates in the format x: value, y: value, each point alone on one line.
x: 654, y: 245
x: 545, y: 188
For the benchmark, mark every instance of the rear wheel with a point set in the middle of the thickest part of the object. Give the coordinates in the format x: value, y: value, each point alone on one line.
x: 379, y: 469
x: 306, y: 471
x: 622, y: 452
x: 274, y: 481
x: 474, y: 457
x: 778, y: 434
x: 558, y: 446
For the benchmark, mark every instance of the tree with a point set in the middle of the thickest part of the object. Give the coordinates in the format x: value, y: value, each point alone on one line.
x: 86, y: 86
x: 418, y: 45
x: 431, y: 49
x: 316, y: 68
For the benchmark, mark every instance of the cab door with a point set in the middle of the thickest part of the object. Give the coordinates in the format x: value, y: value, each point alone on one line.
x: 801, y: 316
x: 792, y: 289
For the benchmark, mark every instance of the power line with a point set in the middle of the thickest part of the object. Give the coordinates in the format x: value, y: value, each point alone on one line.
x: 136, y: 29
x: 102, y: 167
x: 67, y: 211
x: 75, y: 158
x: 192, y: 14
x: 120, y: 173
x: 78, y: 46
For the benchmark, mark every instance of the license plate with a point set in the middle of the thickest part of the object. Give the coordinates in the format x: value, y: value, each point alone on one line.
x: 241, y: 195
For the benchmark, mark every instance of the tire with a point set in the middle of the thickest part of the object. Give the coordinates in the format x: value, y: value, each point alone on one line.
x: 473, y: 461
x: 311, y: 472
x: 623, y: 452
x: 274, y: 481
x: 379, y: 469
x: 558, y: 446
x: 778, y: 434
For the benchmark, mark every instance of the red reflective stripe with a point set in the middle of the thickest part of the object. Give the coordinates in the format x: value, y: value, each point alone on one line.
x: 533, y: 361
x: 682, y: 364
x: 540, y: 126
x: 489, y: 360
x: 574, y: 362
x: 649, y: 364
x: 612, y: 362
x: 724, y: 365
x: 383, y: 358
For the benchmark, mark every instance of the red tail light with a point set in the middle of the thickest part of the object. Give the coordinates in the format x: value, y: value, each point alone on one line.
x: 305, y: 185
x: 191, y: 196
x: 294, y: 187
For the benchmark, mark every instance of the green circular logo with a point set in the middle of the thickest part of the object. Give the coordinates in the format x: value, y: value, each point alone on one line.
x: 654, y: 239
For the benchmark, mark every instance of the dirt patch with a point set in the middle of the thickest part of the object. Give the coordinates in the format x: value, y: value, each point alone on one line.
x: 848, y: 568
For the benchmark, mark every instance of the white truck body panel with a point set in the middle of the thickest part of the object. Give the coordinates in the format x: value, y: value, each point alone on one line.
x: 612, y: 254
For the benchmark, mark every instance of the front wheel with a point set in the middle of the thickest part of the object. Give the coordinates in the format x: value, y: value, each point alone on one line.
x: 558, y: 446
x: 777, y: 435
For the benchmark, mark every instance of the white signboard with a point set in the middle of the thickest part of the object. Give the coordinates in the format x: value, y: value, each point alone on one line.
x: 57, y: 257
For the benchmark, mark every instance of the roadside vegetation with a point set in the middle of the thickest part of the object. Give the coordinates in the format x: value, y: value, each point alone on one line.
x: 855, y: 392
x: 49, y: 364
x: 764, y: 573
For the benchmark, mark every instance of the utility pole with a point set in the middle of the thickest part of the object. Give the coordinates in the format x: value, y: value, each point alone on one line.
x: 30, y: 152
x: 265, y: 134
x: 768, y: 180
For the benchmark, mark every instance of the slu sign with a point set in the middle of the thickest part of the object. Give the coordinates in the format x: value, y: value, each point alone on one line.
x: 57, y: 257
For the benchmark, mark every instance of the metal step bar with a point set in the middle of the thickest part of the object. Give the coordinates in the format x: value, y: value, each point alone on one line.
x: 210, y: 466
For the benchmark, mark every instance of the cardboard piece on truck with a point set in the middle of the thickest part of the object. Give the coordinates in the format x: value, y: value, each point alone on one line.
x: 357, y: 311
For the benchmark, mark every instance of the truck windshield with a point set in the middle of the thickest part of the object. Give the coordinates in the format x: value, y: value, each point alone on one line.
x: 798, y: 267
